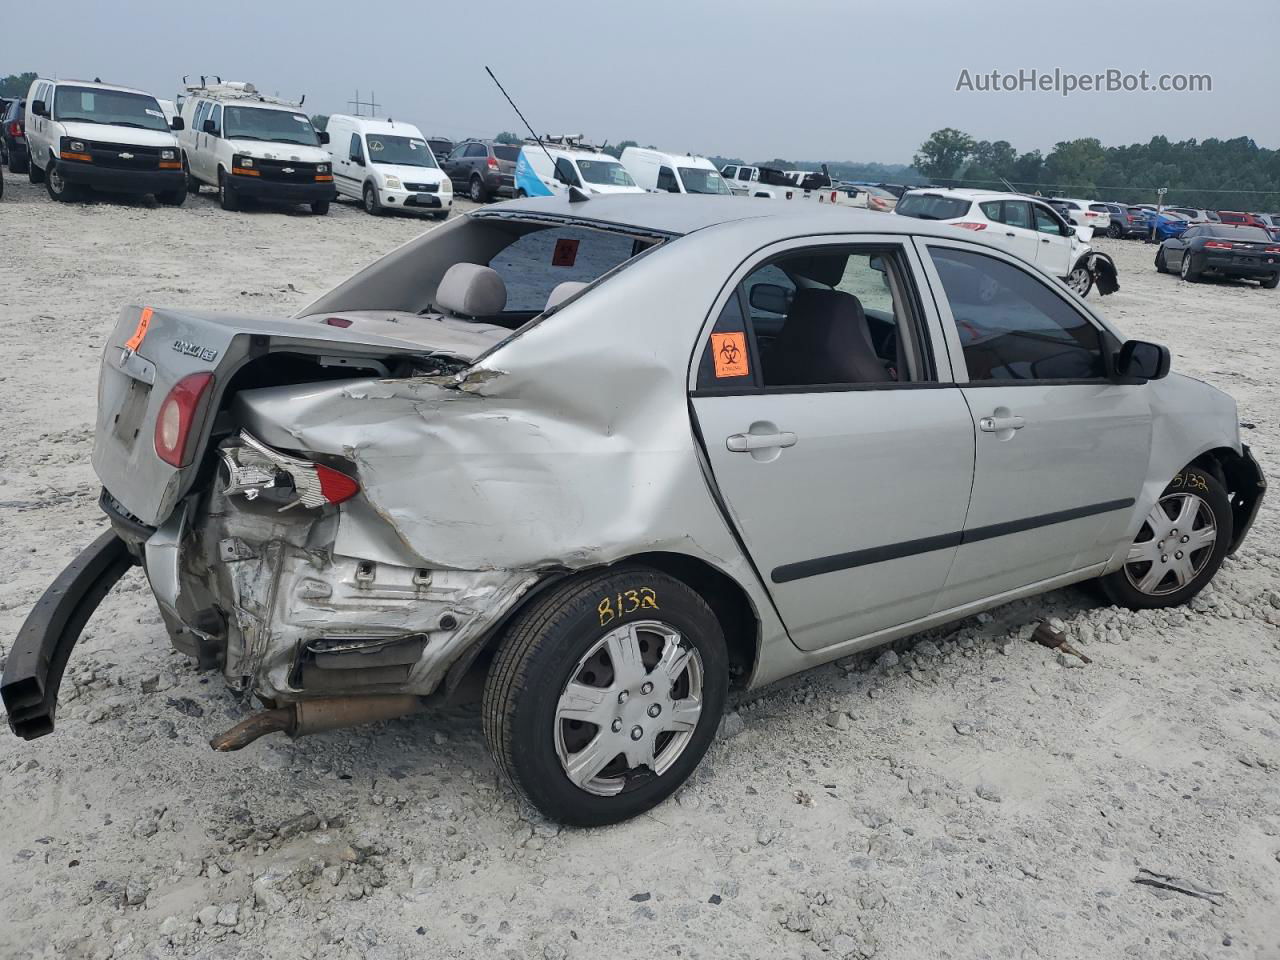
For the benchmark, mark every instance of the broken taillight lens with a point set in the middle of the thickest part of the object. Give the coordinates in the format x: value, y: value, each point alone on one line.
x: 335, y: 486
x: 177, y: 414
x: 253, y: 469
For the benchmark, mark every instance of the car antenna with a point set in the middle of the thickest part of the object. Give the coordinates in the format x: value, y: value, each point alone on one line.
x: 575, y: 195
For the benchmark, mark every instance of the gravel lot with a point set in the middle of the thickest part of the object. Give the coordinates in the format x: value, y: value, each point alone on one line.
x: 965, y: 794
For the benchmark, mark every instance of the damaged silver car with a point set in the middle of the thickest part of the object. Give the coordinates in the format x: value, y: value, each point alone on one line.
x: 614, y: 457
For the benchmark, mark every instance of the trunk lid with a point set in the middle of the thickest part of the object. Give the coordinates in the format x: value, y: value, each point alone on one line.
x: 151, y: 349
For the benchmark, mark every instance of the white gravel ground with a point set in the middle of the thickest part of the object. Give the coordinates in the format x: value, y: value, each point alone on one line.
x: 966, y: 796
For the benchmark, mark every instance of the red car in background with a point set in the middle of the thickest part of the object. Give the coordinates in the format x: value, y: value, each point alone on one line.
x: 1239, y: 219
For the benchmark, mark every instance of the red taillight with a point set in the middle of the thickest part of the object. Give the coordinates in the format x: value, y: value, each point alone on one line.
x: 335, y: 486
x: 177, y: 414
x: 337, y: 322
x: 970, y: 225
x: 1216, y: 245
x: 1272, y: 250
x: 493, y: 163
x: 15, y: 129
x: 833, y: 196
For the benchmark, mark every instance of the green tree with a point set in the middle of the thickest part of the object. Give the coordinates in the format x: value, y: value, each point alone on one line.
x: 506, y: 136
x: 942, y: 156
x: 1076, y: 166
x: 616, y: 150
x: 16, y: 84
x: 320, y: 120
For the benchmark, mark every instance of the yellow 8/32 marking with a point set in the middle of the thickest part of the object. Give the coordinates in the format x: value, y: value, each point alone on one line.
x: 625, y: 602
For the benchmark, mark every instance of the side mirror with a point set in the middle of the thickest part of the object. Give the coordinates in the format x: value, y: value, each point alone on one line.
x: 324, y: 136
x: 177, y: 123
x: 39, y: 108
x: 1067, y: 229
x: 357, y: 159
x: 210, y: 127
x: 770, y: 297
x: 1141, y: 360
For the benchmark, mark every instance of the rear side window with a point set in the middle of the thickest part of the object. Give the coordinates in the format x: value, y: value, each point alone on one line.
x: 1013, y: 327
x: 538, y: 262
x: 932, y: 206
x: 727, y: 360
x: 477, y: 150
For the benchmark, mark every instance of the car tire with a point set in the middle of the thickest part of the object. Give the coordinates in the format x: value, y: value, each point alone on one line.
x: 34, y: 173
x: 1161, y: 265
x: 173, y: 198
x: 1188, y: 271
x: 1115, y: 231
x: 57, y: 186
x: 1080, y: 280
x: 371, y: 201
x: 1271, y: 282
x: 442, y: 215
x: 562, y: 646
x: 320, y: 207
x: 520, y: 194
x: 476, y: 191
x: 17, y: 162
x: 193, y: 185
x: 1154, y: 573
x: 228, y: 199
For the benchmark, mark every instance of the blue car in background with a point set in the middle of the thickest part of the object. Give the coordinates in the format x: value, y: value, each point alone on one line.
x: 1167, y: 223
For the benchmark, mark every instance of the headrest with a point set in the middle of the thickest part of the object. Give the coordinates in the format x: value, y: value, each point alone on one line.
x: 470, y: 290
x: 563, y: 292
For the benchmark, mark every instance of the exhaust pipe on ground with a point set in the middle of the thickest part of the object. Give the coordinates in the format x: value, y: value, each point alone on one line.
x: 316, y: 716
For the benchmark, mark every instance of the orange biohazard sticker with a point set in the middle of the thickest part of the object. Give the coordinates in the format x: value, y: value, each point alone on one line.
x: 565, y: 253
x: 134, y: 342
x: 729, y: 351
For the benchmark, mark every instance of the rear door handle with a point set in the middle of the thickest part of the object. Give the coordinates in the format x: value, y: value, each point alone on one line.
x: 996, y: 424
x: 746, y: 442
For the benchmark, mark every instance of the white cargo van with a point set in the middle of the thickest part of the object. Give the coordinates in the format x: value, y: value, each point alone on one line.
x: 91, y: 134
x: 660, y: 172
x: 250, y: 146
x: 559, y: 163
x: 387, y: 165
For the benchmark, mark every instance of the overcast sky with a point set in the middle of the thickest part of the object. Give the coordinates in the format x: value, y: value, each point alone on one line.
x: 810, y: 80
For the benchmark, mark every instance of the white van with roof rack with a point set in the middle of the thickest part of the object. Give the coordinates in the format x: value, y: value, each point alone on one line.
x: 91, y: 134
x: 250, y: 146
x: 660, y: 172
x: 387, y: 165
x: 551, y: 166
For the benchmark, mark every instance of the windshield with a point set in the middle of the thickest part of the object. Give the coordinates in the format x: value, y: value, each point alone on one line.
x: 275, y: 126
x: 932, y: 206
x: 702, y: 180
x: 88, y: 105
x: 401, y: 151
x: 607, y: 172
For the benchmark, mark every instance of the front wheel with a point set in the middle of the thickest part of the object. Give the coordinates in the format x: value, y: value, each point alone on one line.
x: 320, y: 207
x: 57, y: 185
x: 372, y: 204
x: 173, y: 198
x: 34, y: 173
x: 228, y: 199
x: 605, y: 694
x: 1179, y: 546
x: 1080, y: 280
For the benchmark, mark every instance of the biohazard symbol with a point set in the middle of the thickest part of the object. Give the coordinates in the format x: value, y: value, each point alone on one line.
x: 729, y: 351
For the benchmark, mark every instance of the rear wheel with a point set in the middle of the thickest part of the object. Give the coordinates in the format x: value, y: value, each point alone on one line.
x: 228, y: 199
x: 320, y: 207
x: 476, y: 191
x: 1179, y: 547
x: 1188, y: 269
x: 1161, y: 265
x: 372, y: 204
x: 605, y: 694
x: 1271, y: 282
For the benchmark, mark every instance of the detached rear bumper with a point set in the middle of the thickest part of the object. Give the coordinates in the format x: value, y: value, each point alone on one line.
x: 39, y: 654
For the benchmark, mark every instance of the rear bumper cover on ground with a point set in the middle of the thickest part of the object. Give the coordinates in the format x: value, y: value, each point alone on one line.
x: 38, y: 657
x: 126, y: 181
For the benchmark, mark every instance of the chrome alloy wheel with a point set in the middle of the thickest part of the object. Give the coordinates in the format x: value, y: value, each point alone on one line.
x: 632, y: 702
x: 1173, y: 546
x: 1079, y: 281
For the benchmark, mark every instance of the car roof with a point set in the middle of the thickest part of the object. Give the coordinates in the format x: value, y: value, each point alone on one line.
x: 96, y: 85
x: 378, y: 124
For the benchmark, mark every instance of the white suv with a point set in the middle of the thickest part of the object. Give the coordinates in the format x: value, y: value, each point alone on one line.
x: 249, y: 146
x: 1027, y: 226
x: 89, y: 134
x: 1084, y: 213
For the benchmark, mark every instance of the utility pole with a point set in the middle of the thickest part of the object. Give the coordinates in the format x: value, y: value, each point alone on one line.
x: 357, y: 104
x: 1155, y: 224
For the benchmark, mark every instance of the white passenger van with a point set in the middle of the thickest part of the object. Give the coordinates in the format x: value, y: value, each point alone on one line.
x: 90, y: 134
x: 387, y: 165
x: 660, y: 172
x: 558, y: 163
x: 250, y: 146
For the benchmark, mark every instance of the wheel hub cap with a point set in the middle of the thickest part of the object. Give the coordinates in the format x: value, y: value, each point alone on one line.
x: 1183, y: 519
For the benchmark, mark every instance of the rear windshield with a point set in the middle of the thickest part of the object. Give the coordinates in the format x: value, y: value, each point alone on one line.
x: 605, y: 172
x: 506, y: 153
x: 400, y: 151
x: 538, y: 262
x: 1243, y: 234
x: 274, y: 126
x: 702, y: 180
x: 87, y: 105
x: 932, y: 206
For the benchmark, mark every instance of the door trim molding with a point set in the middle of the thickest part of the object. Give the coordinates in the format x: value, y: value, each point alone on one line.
x: 803, y: 569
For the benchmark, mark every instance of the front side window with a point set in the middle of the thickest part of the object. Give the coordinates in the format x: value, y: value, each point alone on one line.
x: 609, y: 173
x: 1012, y: 326
x: 215, y: 114
x: 202, y: 110
x: 566, y: 174
x: 117, y: 107
x: 356, y: 150
x: 274, y: 126
x: 399, y: 151
x: 667, y: 180
x: 1045, y: 221
x: 744, y: 173
x: 702, y: 180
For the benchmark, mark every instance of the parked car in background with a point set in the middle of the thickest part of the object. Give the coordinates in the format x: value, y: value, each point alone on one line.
x: 1083, y: 213
x: 83, y: 134
x: 5, y: 104
x: 13, y: 135
x: 387, y: 165
x: 1223, y: 250
x: 441, y: 147
x: 1167, y: 224
x: 609, y: 539
x: 740, y: 177
x: 1272, y: 221
x: 1125, y: 222
x: 1027, y: 226
x: 249, y: 146
x: 1196, y: 214
x: 1239, y: 218
x: 482, y: 169
x: 660, y: 172
x: 556, y: 165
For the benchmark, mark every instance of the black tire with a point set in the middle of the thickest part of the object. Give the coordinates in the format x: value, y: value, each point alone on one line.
x: 520, y: 194
x: 1115, y: 231
x: 173, y: 198
x: 372, y: 202
x: 476, y: 191
x: 34, y: 173
x: 1192, y: 482
x: 228, y: 199
x: 320, y: 207
x: 442, y: 215
x: 58, y: 188
x: 193, y: 185
x: 1161, y: 265
x: 18, y: 162
x: 540, y: 652
x: 1188, y: 270
x: 1271, y: 283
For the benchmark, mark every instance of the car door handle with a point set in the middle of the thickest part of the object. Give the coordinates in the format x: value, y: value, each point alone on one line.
x: 1044, y: 240
x: 996, y: 424
x: 1010, y: 233
x: 746, y: 442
